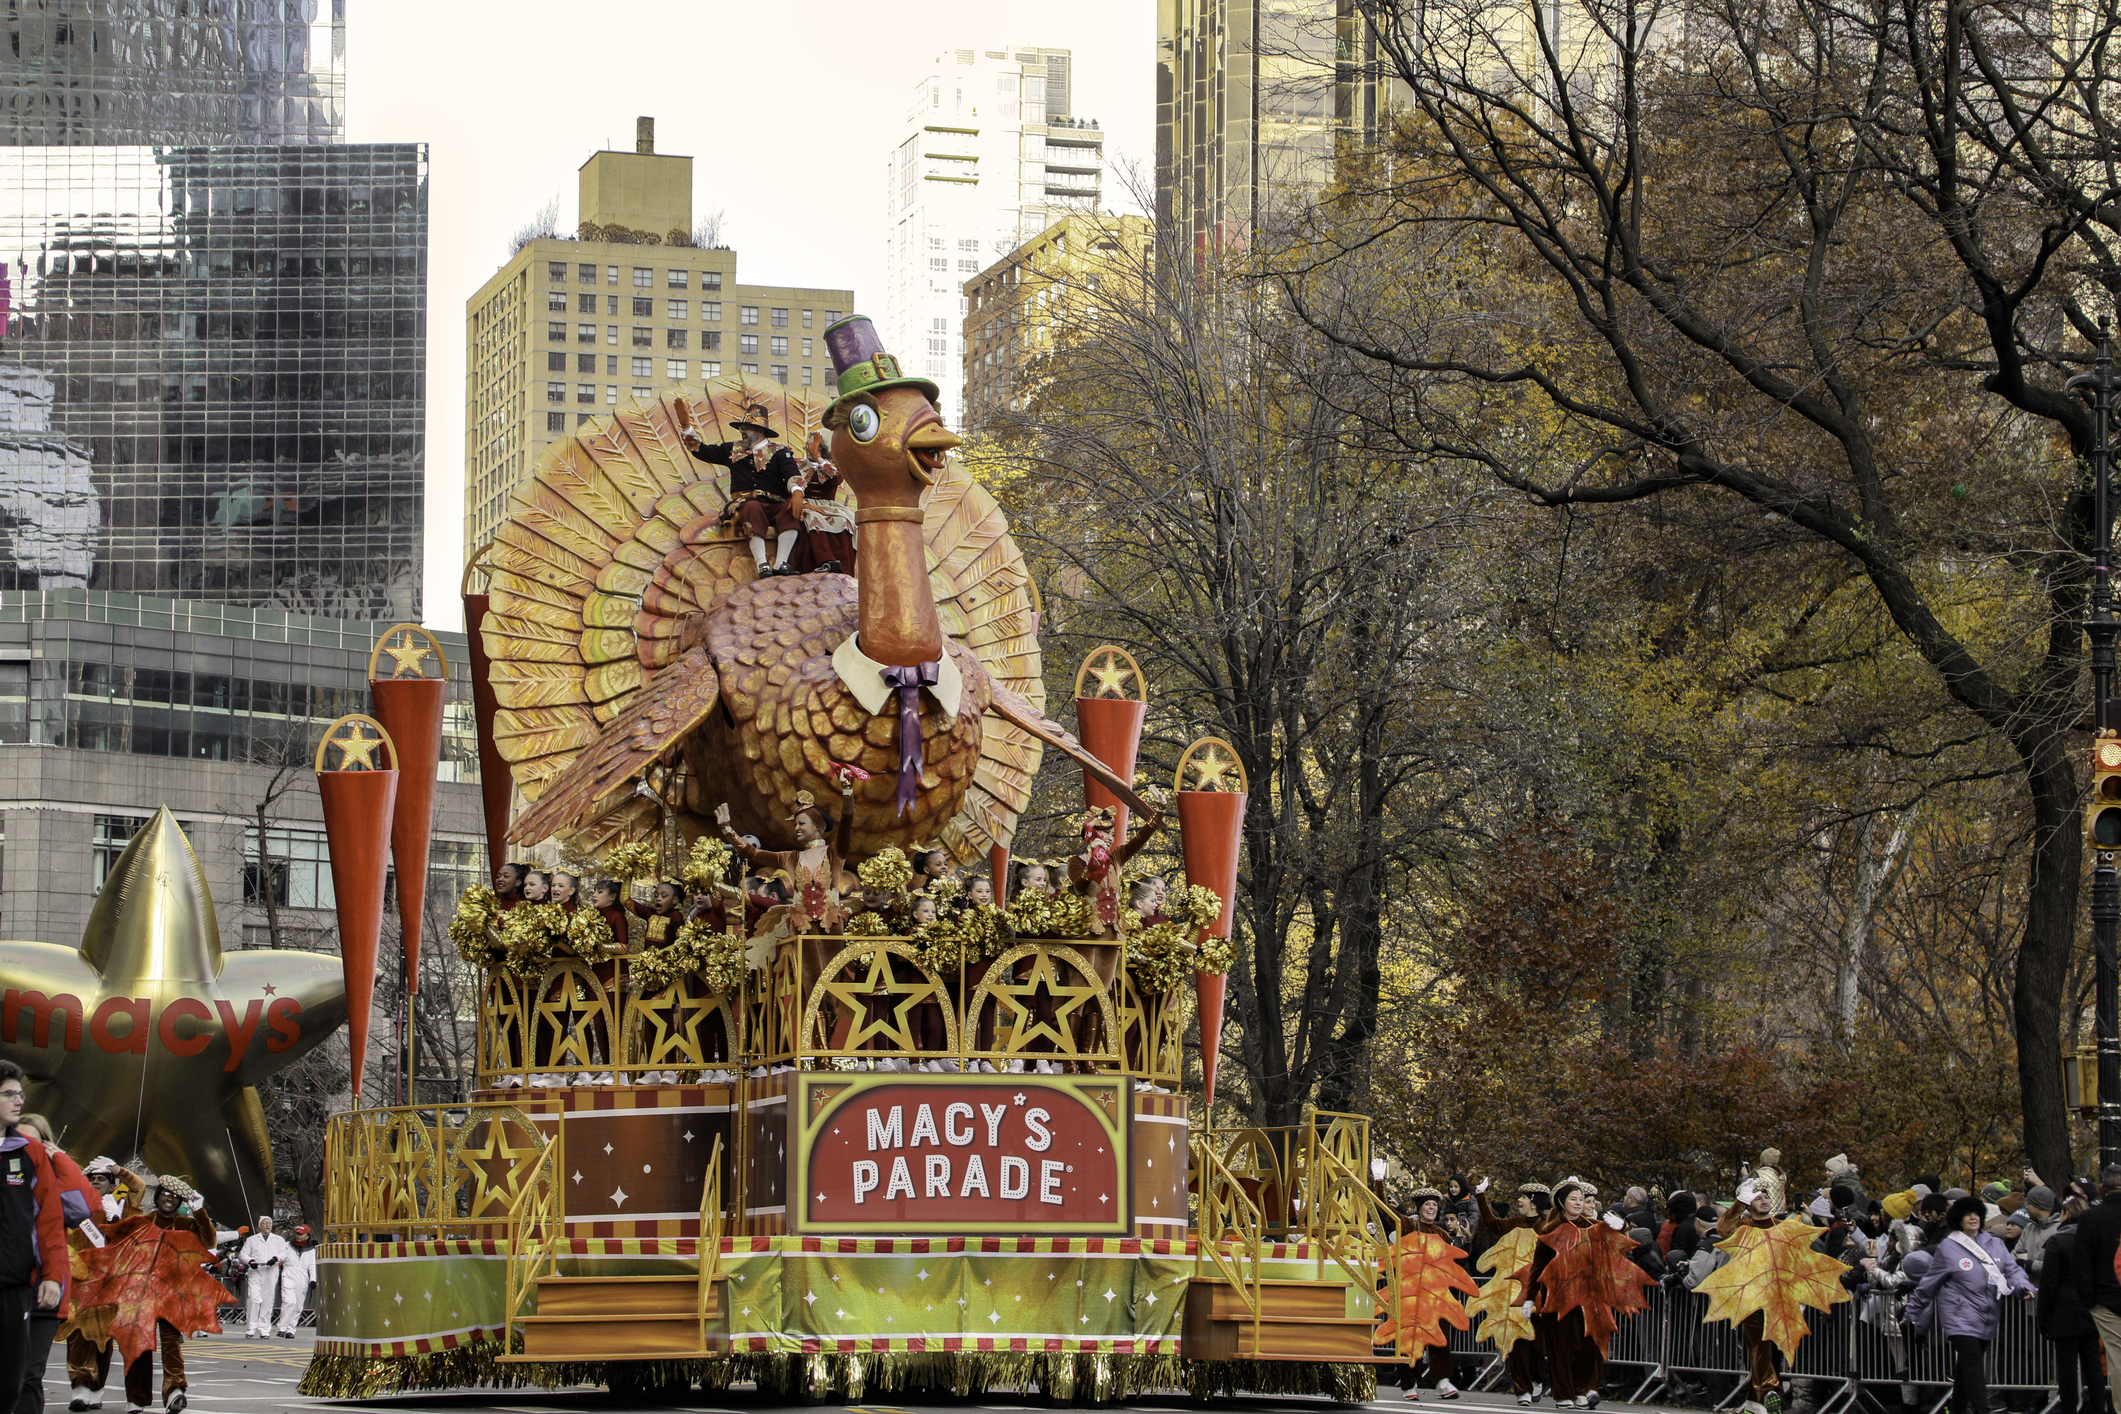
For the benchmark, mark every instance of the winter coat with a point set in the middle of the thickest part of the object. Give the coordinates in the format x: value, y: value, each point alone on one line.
x: 2092, y: 1267
x: 1707, y: 1258
x: 2058, y: 1308
x: 1957, y: 1290
x: 1646, y: 1257
x: 2033, y: 1241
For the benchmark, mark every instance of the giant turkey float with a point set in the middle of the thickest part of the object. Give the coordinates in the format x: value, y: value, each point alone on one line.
x: 806, y: 1135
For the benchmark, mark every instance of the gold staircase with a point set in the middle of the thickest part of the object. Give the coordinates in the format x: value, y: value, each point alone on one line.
x: 621, y: 1318
x: 1295, y: 1320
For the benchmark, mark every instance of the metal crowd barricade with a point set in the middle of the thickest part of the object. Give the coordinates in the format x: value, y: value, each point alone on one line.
x: 2020, y: 1359
x: 1693, y: 1346
x: 1638, y: 1342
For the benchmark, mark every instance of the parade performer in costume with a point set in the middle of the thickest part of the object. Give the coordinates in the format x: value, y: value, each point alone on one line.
x: 150, y: 1270
x: 508, y: 886
x: 1509, y: 1261
x: 605, y: 899
x: 812, y: 867
x: 1095, y: 872
x: 78, y: 1201
x: 297, y: 1274
x: 1428, y: 1271
x: 827, y: 542
x: 33, y: 1262
x: 660, y: 918
x: 88, y: 1332
x: 762, y: 480
x: 263, y: 1254
x: 1772, y: 1274
x: 1581, y: 1277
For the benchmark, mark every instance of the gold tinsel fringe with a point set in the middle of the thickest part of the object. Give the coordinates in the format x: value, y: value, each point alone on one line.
x: 963, y: 1374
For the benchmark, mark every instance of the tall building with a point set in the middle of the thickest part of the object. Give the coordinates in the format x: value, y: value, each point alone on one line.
x: 1251, y: 97
x: 567, y: 328
x: 212, y: 325
x: 1022, y: 305
x: 992, y: 154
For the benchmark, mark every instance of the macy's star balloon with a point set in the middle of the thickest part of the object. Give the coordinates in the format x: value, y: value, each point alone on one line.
x: 145, y: 1040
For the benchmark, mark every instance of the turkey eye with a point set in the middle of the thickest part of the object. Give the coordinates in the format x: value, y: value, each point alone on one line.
x: 862, y: 422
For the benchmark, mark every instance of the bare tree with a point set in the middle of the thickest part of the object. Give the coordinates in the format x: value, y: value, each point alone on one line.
x: 543, y: 225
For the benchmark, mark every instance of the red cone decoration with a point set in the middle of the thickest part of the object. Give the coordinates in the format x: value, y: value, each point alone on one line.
x: 495, y: 784
x: 357, y: 776
x: 998, y: 870
x: 1211, y: 819
x: 1109, y: 722
x: 410, y: 709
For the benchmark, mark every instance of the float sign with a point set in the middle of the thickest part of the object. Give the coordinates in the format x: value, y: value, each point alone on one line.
x: 1017, y: 1154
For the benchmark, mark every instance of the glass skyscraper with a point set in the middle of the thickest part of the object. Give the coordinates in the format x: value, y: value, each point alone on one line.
x: 212, y: 370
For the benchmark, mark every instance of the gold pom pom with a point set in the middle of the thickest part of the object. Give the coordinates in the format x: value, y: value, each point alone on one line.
x: 473, y: 926
x: 630, y: 863
x: 706, y: 865
x: 884, y: 871
x: 589, y: 935
x: 529, y: 934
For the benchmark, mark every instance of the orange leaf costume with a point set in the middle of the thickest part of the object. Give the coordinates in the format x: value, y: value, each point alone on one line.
x: 1428, y: 1272
x: 1590, y: 1272
x: 1773, y: 1270
x: 149, y: 1270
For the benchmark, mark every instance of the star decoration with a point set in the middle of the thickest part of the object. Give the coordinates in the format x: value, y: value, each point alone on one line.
x: 151, y: 960
x: 411, y: 654
x: 357, y: 750
x: 618, y: 1197
x: 1209, y: 768
x: 1112, y: 669
x: 810, y: 1298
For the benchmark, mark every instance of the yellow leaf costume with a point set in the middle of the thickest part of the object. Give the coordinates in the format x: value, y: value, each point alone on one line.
x: 1774, y: 1271
x: 1428, y: 1270
x: 1500, y: 1303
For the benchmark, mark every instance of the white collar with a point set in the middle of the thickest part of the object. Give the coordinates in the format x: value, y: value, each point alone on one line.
x: 864, y: 677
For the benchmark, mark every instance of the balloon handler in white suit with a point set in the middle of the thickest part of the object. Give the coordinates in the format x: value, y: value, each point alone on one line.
x: 265, y: 1255
x: 297, y: 1275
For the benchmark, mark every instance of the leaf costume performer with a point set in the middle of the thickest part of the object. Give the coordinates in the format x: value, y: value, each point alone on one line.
x: 150, y: 1271
x: 1509, y: 1262
x: 1772, y: 1276
x: 1428, y: 1271
x: 1581, y: 1277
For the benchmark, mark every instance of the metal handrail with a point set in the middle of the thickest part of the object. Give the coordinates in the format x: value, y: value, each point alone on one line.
x: 1365, y: 1252
x: 1227, y: 1210
x: 710, y: 1235
x: 531, y: 1211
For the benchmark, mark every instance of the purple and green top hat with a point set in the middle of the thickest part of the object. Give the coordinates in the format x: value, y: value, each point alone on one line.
x: 860, y: 364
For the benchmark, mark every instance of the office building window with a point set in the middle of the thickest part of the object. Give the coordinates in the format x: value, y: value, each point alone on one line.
x: 108, y: 838
x: 556, y: 363
x: 643, y: 367
x: 556, y: 271
x: 806, y: 378
x: 677, y: 309
x: 711, y: 280
x: 587, y: 274
x: 938, y: 262
x: 748, y: 367
x: 556, y: 333
x: 556, y: 301
x: 780, y: 373
x: 585, y: 392
x: 611, y: 396
x: 585, y: 304
x: 710, y: 311
x: 832, y: 316
x: 611, y: 304
x: 585, y: 333
x: 611, y: 274
x: 675, y: 279
x: 611, y: 365
x: 611, y: 333
x: 639, y: 392
x: 555, y: 422
x: 555, y: 392
x: 747, y: 314
x: 780, y: 346
x: 806, y: 348
x: 968, y: 267
x: 710, y: 368
x: 748, y: 343
x: 780, y: 319
x: 711, y: 340
x: 295, y: 870
x: 674, y: 369
x: 585, y: 363
x: 580, y: 418
x: 643, y: 307
x: 643, y: 276
x: 674, y: 339
x: 806, y: 318
x: 643, y: 338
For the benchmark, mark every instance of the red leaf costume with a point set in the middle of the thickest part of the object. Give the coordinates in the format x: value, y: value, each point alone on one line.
x: 150, y: 1270
x: 1590, y: 1272
x: 1428, y: 1271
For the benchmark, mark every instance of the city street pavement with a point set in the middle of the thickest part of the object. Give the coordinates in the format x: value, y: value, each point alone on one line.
x: 231, y: 1375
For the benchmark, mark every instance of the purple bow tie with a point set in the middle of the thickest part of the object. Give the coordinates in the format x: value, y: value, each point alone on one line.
x: 907, y: 682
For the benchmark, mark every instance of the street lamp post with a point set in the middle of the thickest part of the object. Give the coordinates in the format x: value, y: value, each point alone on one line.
x: 2100, y: 390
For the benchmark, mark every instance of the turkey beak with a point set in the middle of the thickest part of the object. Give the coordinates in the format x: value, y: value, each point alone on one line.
x: 925, y: 446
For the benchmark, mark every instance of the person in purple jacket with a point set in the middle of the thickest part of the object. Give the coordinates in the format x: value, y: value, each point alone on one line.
x: 1963, y: 1291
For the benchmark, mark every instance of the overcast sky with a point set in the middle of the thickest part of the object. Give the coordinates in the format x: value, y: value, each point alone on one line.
x: 788, y: 109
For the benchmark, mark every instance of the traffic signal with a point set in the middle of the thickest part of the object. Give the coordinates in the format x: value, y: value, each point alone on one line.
x: 2102, y: 818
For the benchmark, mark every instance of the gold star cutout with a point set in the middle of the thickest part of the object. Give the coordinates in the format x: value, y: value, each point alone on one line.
x: 356, y: 747
x: 1209, y: 768
x: 412, y: 654
x: 1113, y: 670
x: 1211, y: 764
